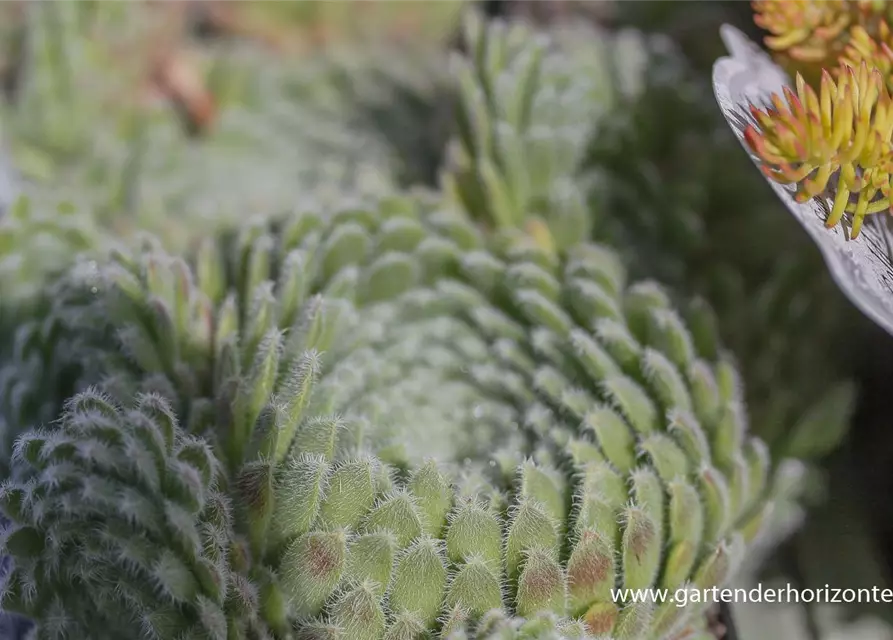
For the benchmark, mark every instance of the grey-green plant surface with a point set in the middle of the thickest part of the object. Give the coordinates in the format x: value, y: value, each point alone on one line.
x: 654, y: 159
x: 257, y: 461
x: 387, y: 414
x: 120, y: 166
x: 632, y: 79
x: 83, y: 131
x: 526, y: 112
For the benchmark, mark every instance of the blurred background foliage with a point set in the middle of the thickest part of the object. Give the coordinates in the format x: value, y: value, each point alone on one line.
x: 176, y: 116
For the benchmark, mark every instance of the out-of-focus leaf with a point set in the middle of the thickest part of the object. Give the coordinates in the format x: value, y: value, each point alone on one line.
x: 824, y: 425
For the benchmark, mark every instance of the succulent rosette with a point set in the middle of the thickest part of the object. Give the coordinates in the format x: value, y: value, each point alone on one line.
x: 382, y: 425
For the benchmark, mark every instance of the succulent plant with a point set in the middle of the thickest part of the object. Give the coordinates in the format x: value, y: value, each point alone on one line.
x: 622, y: 169
x: 836, y: 129
x: 377, y: 424
x: 94, y: 169
x: 162, y: 196
x: 804, y: 30
x: 844, y: 130
x: 527, y: 107
x: 120, y: 153
x: 808, y: 36
x: 397, y: 416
